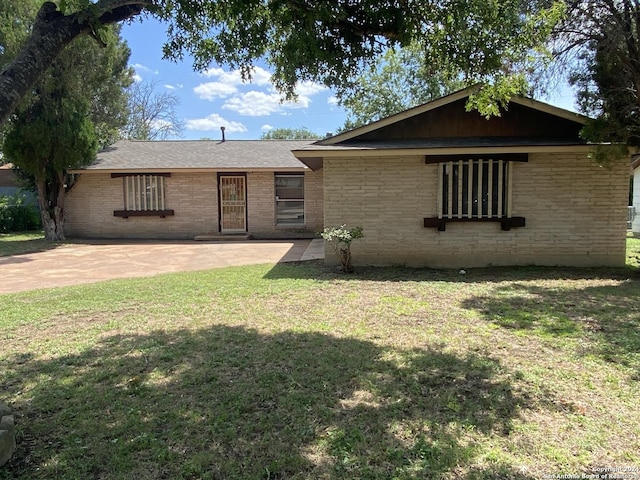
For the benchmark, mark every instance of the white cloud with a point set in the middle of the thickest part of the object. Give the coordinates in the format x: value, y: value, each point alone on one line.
x: 308, y: 88
x: 213, y: 90
x: 139, y: 66
x: 214, y: 122
x: 254, y: 103
x: 266, y: 127
x: 259, y: 76
x: 169, y: 87
x: 332, y: 100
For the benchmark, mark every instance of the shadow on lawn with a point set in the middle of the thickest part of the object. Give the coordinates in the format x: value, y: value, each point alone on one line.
x: 608, y: 316
x: 316, y: 270
x: 10, y: 251
x: 233, y: 403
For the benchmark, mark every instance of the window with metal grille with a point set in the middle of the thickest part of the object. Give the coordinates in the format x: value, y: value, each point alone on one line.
x: 144, y: 192
x: 144, y: 195
x: 289, y: 199
x: 474, y: 189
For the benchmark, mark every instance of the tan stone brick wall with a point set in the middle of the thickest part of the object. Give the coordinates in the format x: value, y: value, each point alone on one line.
x: 92, y: 201
x: 193, y: 197
x: 575, y: 213
x: 261, y: 206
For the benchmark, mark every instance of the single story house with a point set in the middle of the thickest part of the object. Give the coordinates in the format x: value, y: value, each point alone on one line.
x: 185, y: 189
x: 434, y: 186
x: 441, y: 186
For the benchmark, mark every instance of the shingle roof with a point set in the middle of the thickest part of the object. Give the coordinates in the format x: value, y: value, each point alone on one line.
x: 199, y: 154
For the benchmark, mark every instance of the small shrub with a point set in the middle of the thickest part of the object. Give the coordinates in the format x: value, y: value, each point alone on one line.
x: 341, y: 237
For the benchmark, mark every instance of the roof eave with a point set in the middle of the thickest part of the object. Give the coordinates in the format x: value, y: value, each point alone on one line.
x: 386, y: 152
x: 151, y: 171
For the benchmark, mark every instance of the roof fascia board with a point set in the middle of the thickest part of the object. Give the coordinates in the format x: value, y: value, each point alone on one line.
x: 550, y: 109
x: 151, y: 171
x: 300, y: 154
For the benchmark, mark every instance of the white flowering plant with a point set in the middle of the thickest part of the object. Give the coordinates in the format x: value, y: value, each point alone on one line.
x: 341, y: 237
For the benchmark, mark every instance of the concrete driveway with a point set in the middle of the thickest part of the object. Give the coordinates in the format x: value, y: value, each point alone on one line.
x: 95, y: 261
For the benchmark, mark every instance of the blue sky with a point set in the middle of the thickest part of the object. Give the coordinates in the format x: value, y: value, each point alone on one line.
x: 218, y: 97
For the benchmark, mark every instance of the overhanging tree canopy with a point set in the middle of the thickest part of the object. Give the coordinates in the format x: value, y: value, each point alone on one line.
x: 322, y: 40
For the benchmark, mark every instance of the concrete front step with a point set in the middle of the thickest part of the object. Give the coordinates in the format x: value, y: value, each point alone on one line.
x: 217, y: 237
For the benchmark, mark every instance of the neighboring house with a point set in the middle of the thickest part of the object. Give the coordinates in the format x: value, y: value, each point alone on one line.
x: 183, y: 189
x: 635, y: 222
x: 8, y: 181
x: 10, y: 186
x: 442, y: 187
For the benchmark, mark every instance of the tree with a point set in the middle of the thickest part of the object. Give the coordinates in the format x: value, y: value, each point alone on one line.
x: 152, y: 115
x: 599, y: 44
x: 77, y: 106
x: 325, y: 40
x: 399, y: 80
x: 302, y: 133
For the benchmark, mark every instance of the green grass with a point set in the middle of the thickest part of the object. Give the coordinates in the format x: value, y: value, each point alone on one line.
x: 633, y: 251
x: 24, y: 242
x: 293, y: 371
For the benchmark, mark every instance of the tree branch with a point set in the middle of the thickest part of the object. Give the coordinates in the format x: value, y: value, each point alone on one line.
x: 52, y: 31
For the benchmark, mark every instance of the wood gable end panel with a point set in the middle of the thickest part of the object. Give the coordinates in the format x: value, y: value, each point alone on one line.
x: 453, y: 121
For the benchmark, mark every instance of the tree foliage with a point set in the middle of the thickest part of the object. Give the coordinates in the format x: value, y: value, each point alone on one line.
x: 77, y: 106
x: 599, y: 44
x: 322, y: 40
x: 400, y: 79
x: 301, y: 133
x: 152, y: 114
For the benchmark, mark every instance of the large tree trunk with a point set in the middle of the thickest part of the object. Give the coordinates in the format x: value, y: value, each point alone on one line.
x: 52, y: 31
x: 51, y: 203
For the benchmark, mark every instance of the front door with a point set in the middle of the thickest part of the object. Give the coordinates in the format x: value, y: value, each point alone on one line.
x: 233, y: 204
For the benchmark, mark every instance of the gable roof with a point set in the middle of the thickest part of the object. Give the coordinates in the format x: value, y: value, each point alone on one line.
x: 197, y: 155
x: 445, y: 126
x: 441, y: 102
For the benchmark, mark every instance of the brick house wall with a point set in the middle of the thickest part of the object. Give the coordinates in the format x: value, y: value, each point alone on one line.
x: 575, y: 214
x: 193, y: 197
x: 261, y: 206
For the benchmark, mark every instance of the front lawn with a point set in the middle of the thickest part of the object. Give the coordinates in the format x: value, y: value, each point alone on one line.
x: 295, y: 372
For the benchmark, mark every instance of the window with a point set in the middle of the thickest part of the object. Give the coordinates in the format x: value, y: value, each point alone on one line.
x: 144, y: 195
x: 144, y: 192
x: 289, y: 199
x: 475, y: 189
